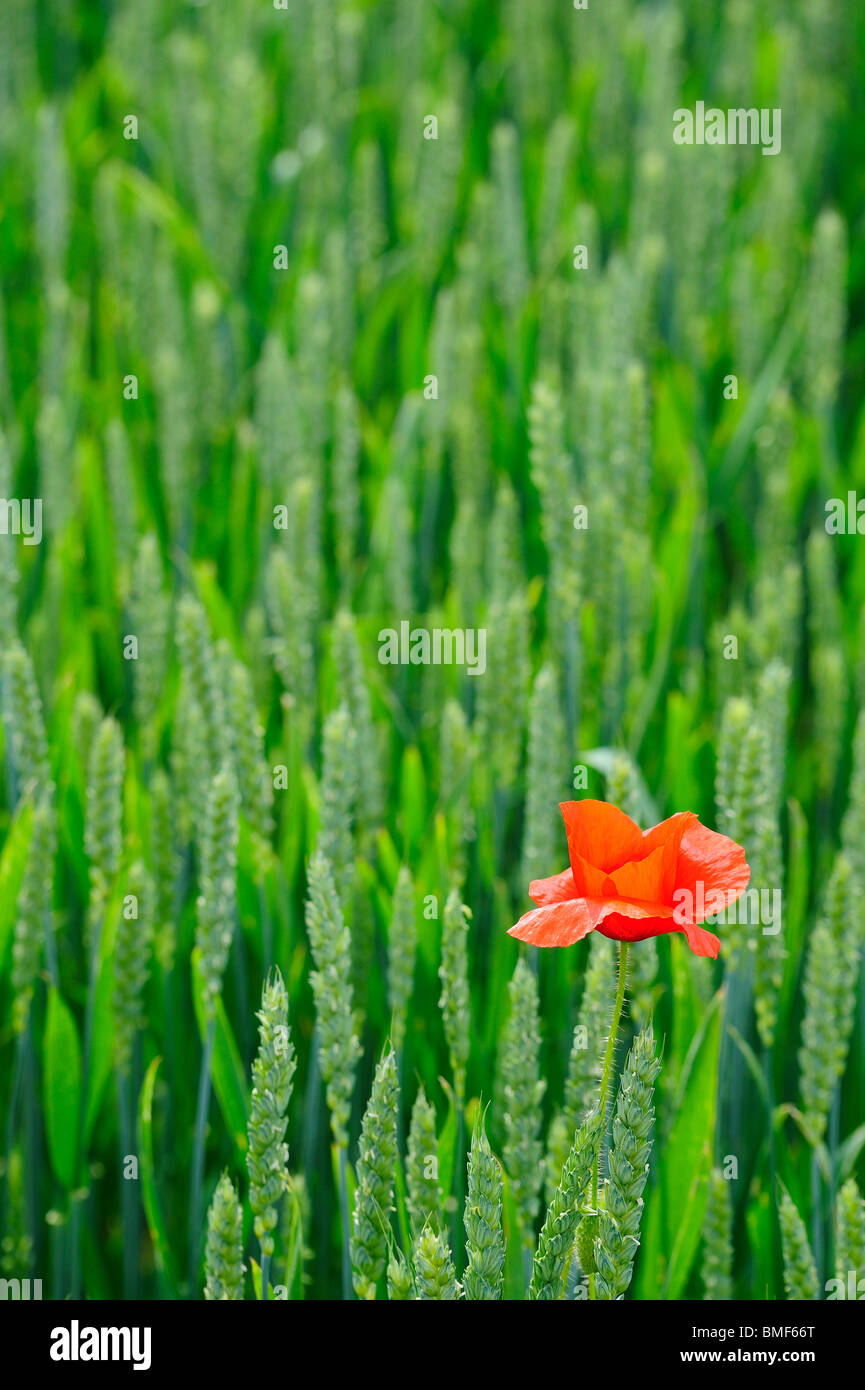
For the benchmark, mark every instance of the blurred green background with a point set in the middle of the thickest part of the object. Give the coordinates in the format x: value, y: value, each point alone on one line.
x: 280, y: 294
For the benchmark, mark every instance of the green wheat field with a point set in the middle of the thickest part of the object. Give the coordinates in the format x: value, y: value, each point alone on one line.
x: 325, y: 317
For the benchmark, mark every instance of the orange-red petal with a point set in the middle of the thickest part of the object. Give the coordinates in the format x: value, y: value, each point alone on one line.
x: 709, y: 864
x: 600, y: 834
x: 702, y: 942
x: 643, y: 879
x: 629, y: 885
x: 637, y: 922
x: 629, y: 921
x: 668, y: 834
x: 558, y: 924
x: 590, y: 882
x: 557, y: 889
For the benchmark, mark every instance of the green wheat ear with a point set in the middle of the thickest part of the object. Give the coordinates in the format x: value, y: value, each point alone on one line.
x: 8, y: 559
x: 165, y: 862
x: 621, y: 1215
x: 523, y: 1091
x: 505, y: 569
x: 353, y: 687
x: 338, y: 796
x: 800, y: 1272
x: 454, y: 1001
x: 86, y: 717
x: 587, y: 1048
x: 717, y: 1242
x: 103, y: 822
x: 482, y: 1218
x: 401, y: 952
x: 223, y: 1256
x: 826, y: 311
x: 503, y: 696
x: 377, y: 1158
x: 132, y: 950
x: 149, y: 610
x: 546, y: 777
x: 558, y: 1233
x: 435, y: 1277
x: 456, y: 756
x: 217, y: 900
x: 272, y: 1074
x: 423, y: 1197
x: 829, y: 988
x: 331, y: 988
x: 345, y: 490
x: 33, y: 916
x: 189, y: 756
x: 25, y: 725
x: 253, y: 773
x: 400, y: 1284
x: 201, y: 672
x: 849, y: 1236
x: 853, y: 824
x: 766, y: 848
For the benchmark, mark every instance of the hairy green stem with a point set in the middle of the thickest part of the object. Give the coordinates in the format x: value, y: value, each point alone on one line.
x: 606, y: 1073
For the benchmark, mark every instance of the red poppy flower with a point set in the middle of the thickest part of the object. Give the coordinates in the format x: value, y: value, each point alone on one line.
x: 630, y: 884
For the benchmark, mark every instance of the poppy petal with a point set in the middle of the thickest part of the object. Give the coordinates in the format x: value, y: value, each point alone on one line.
x: 668, y: 830
x: 702, y: 942
x: 558, y: 924
x: 668, y: 834
x: 590, y: 882
x: 709, y: 865
x: 629, y: 921
x: 557, y: 889
x: 643, y: 879
x: 600, y: 833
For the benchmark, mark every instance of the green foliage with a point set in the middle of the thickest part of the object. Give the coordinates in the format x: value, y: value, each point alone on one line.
x: 287, y: 367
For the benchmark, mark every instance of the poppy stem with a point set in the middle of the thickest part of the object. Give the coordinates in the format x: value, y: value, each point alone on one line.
x: 607, y: 1071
